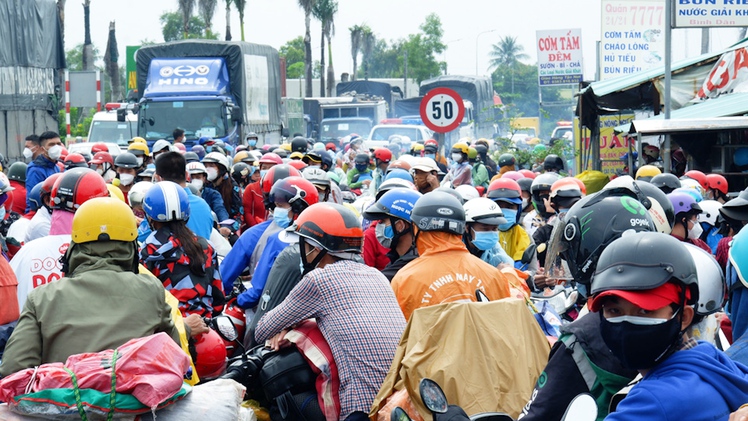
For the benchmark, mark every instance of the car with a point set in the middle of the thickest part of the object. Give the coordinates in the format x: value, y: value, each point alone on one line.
x: 106, y: 128
x: 114, y: 149
x: 379, y: 136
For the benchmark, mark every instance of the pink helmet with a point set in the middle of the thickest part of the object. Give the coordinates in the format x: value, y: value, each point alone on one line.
x: 514, y: 175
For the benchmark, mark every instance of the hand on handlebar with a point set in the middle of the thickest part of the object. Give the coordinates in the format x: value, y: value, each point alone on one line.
x: 278, y: 341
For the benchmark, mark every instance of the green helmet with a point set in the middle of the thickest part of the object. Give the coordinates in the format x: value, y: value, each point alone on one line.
x: 472, y: 153
x: 17, y: 172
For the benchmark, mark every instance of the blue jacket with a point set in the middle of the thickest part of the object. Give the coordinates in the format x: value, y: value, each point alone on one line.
x: 215, y: 201
x: 200, y: 222
x: 238, y: 258
x: 737, y: 305
x: 273, y: 248
x: 701, y: 383
x: 37, y: 171
x: 738, y: 351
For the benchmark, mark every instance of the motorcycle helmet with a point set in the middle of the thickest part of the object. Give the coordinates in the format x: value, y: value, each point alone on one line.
x: 136, y: 195
x: 219, y: 159
x: 299, y: 144
x: 540, y: 189
x: 75, y: 187
x: 383, y: 155
x: 514, y: 175
x: 507, y: 159
x: 296, y: 191
x: 395, y: 183
x: 439, y: 211
x: 710, y: 212
x: 553, y: 163
x: 483, y: 210
x: 715, y: 182
x: 104, y: 219
x: 654, y: 200
x: 333, y: 227
x: 241, y: 172
x: 271, y: 158
x: 126, y: 160
x: 75, y: 160
x: 398, y: 173
x: 277, y: 172
x: 198, y: 150
x: 398, y: 164
x: 666, y: 182
x: 35, y: 197
x: 647, y: 172
x: 166, y: 201
x: 699, y: 176
x: 17, y: 172
x: 737, y: 208
x: 467, y: 192
x: 99, y: 147
x: 505, y: 189
x: 711, y: 281
x: 210, y: 361
x: 528, y: 174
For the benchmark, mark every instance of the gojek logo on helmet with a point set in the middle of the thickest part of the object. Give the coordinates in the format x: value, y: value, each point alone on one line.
x: 635, y: 207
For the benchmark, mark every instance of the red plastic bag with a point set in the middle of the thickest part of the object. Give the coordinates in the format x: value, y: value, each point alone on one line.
x: 150, y: 368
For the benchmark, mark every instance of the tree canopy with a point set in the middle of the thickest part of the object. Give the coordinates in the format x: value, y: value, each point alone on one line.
x: 293, y: 52
x: 172, y: 27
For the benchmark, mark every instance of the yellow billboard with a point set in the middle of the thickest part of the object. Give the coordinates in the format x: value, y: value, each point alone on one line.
x: 612, y: 146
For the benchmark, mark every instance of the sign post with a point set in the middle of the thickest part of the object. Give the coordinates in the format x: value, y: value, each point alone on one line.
x: 442, y: 111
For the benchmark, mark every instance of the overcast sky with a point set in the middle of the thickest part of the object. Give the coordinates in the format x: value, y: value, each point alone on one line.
x: 274, y: 22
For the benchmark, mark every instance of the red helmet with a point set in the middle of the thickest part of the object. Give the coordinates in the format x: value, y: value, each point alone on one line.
x: 102, y: 157
x: 514, y: 175
x: 566, y: 187
x: 99, y: 147
x: 335, y: 227
x: 296, y: 191
x: 330, y: 147
x: 398, y: 163
x: 431, y: 142
x: 75, y: 160
x: 49, y: 183
x: 383, y: 154
x: 698, y: 176
x: 64, y: 153
x: 528, y: 174
x: 211, y: 355
x: 271, y: 158
x: 75, y: 187
x: 717, y: 182
x: 505, y: 188
x: 298, y: 164
x: 277, y: 172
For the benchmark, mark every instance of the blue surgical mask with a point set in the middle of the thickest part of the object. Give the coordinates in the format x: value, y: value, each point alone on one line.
x: 384, y: 234
x: 485, y: 240
x: 280, y: 216
x: 252, y: 142
x: 511, y: 217
x: 430, y: 155
x: 262, y: 173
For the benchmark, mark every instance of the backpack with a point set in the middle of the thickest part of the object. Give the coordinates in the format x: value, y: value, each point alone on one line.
x: 289, y: 383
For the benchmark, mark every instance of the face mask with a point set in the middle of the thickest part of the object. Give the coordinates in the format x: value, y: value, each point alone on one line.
x: 212, y: 174
x: 100, y: 171
x: 384, y: 234
x: 430, y: 155
x: 140, y: 161
x: 304, y: 270
x: 314, y: 166
x: 27, y: 153
x: 639, y: 346
x: 525, y: 203
x: 262, y: 173
x: 280, y: 216
x: 456, y: 157
x: 485, y: 240
x: 126, y: 179
x: 362, y: 168
x: 511, y: 218
x: 54, y: 152
x: 2, y: 213
x: 252, y: 142
x: 695, y: 232
x: 197, y: 183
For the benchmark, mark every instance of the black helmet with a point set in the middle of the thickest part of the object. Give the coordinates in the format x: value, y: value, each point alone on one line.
x: 17, y: 172
x: 241, y: 172
x: 506, y: 159
x: 482, y: 150
x: 588, y: 227
x: 645, y: 261
x: 299, y: 144
x: 439, y: 211
x: 658, y: 205
x: 540, y: 188
x: 666, y: 182
x: 126, y: 160
x: 553, y: 162
x: 737, y: 208
x: 361, y: 158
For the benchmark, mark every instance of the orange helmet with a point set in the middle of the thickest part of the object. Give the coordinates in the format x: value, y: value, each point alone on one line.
x: 298, y: 164
x: 398, y: 163
x: 581, y: 184
x: 211, y: 355
x: 334, y: 227
x: 566, y: 187
x: 277, y: 172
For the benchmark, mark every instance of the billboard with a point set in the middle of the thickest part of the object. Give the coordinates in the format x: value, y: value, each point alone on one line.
x: 710, y: 13
x: 632, y: 36
x: 559, y: 56
x: 131, y: 66
x: 612, y: 146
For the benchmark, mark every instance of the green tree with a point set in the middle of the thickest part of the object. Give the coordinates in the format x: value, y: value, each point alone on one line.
x: 295, y: 71
x: 507, y: 53
x: 185, y: 8
x: 206, y: 9
x: 356, y: 38
x: 293, y: 51
x: 171, y: 27
x: 324, y: 11
x: 368, y: 40
x: 240, y: 6
x: 74, y: 57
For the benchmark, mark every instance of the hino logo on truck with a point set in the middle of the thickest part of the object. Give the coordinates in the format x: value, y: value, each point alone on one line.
x: 184, y: 75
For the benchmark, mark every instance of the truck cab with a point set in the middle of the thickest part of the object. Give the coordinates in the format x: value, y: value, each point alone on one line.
x: 332, y: 129
x: 106, y: 128
x: 413, y: 129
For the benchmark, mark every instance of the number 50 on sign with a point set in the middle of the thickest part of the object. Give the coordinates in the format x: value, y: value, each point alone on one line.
x: 442, y: 110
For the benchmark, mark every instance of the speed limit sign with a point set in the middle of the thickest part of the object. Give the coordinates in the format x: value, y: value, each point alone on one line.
x: 442, y: 110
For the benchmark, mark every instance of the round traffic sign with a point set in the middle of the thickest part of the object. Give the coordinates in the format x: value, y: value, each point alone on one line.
x: 442, y: 110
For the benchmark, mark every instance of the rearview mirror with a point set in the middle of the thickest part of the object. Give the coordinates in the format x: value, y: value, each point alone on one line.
x: 433, y: 396
x: 399, y: 414
x: 236, y: 115
x: 582, y: 408
x: 529, y: 254
x: 121, y: 114
x: 225, y: 328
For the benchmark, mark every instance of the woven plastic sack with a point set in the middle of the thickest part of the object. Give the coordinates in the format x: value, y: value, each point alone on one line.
x: 218, y: 400
x: 593, y: 180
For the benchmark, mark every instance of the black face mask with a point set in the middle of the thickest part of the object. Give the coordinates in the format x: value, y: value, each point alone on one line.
x: 641, y: 347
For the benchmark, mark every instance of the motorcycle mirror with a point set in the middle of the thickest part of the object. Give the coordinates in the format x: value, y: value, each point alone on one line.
x: 399, y: 414
x: 582, y: 408
x: 481, y: 296
x: 225, y: 328
x: 433, y: 396
x: 529, y: 253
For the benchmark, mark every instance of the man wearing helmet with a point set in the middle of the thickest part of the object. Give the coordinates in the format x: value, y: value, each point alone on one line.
x: 49, y: 150
x: 644, y: 288
x: 100, y: 261
x: 360, y: 175
x: 382, y: 158
x: 483, y: 217
x: 479, y: 173
x: 445, y: 271
x: 363, y: 332
x: 127, y: 167
x: 252, y: 198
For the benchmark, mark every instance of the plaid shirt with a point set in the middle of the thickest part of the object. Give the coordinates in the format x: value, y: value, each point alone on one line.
x: 359, y: 317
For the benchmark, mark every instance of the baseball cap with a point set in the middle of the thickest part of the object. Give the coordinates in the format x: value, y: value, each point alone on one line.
x: 425, y: 164
x: 651, y: 299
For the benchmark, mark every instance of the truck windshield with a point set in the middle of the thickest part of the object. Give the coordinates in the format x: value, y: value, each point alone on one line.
x: 384, y: 133
x: 334, y: 130
x: 197, y: 118
x: 113, y: 131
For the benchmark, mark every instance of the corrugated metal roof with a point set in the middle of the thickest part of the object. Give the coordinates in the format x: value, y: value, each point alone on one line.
x: 605, y: 87
x: 659, y: 126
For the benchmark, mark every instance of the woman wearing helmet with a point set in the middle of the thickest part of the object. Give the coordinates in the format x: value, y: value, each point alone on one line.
x: 512, y: 237
x: 252, y: 197
x: 482, y: 219
x: 479, y: 173
x: 101, y: 279
x: 185, y: 263
x: 103, y: 163
x: 353, y: 304
x: 716, y: 188
x: 687, y: 227
x: 219, y: 178
x: 644, y: 288
x: 459, y: 168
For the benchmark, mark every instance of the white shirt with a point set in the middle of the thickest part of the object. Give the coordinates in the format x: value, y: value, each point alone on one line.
x: 38, y: 263
x: 18, y: 229
x: 39, y: 226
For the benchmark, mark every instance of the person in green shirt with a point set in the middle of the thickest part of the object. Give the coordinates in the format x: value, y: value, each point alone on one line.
x: 479, y: 171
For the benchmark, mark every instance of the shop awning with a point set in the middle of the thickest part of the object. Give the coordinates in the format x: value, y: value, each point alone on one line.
x: 654, y: 127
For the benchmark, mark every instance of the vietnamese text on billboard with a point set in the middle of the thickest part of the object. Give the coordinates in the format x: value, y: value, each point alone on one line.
x: 632, y: 37
x: 612, y: 145
x: 710, y: 13
x: 559, y: 57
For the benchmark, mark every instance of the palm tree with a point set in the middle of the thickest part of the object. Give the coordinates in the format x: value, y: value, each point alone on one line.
x: 240, y: 6
x: 324, y: 11
x: 368, y: 40
x: 307, y: 6
x: 61, y: 15
x: 206, y: 9
x: 87, y: 45
x: 185, y: 8
x: 228, y: 19
x: 356, y: 38
x: 507, y: 53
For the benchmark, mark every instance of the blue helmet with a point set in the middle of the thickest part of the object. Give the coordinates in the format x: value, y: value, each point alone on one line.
x: 167, y: 201
x: 35, y: 197
x: 399, y: 173
x: 199, y: 150
x: 397, y: 203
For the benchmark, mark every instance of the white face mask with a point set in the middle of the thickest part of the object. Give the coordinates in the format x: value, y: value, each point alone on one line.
x: 126, y: 179
x: 27, y: 153
x: 100, y: 171
x: 695, y: 232
x: 456, y: 157
x: 140, y: 161
x: 55, y: 152
x: 198, y: 183
x: 212, y: 173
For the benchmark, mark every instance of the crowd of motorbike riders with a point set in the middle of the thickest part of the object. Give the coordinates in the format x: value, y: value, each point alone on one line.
x: 358, y: 240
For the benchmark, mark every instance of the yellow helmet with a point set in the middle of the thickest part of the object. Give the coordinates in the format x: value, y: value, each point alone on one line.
x: 138, y: 139
x: 460, y: 147
x: 646, y: 172
x: 297, y: 155
x: 137, y: 149
x: 104, y: 219
x: 115, y: 191
x: 417, y: 147
x: 286, y: 147
x: 241, y: 156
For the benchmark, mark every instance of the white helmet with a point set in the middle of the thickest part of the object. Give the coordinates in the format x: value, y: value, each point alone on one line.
x: 218, y: 158
x: 316, y: 176
x: 196, y: 168
x: 710, y: 211
x: 394, y: 183
x: 692, y: 184
x: 137, y: 193
x: 484, y: 211
x: 161, y: 145
x: 467, y: 192
x: 711, y: 281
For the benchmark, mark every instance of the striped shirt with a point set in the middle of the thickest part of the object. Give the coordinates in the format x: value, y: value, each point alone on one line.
x: 358, y: 315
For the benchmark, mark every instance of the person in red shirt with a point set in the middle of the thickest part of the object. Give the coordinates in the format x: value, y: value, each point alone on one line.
x: 252, y: 199
x: 17, y: 176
